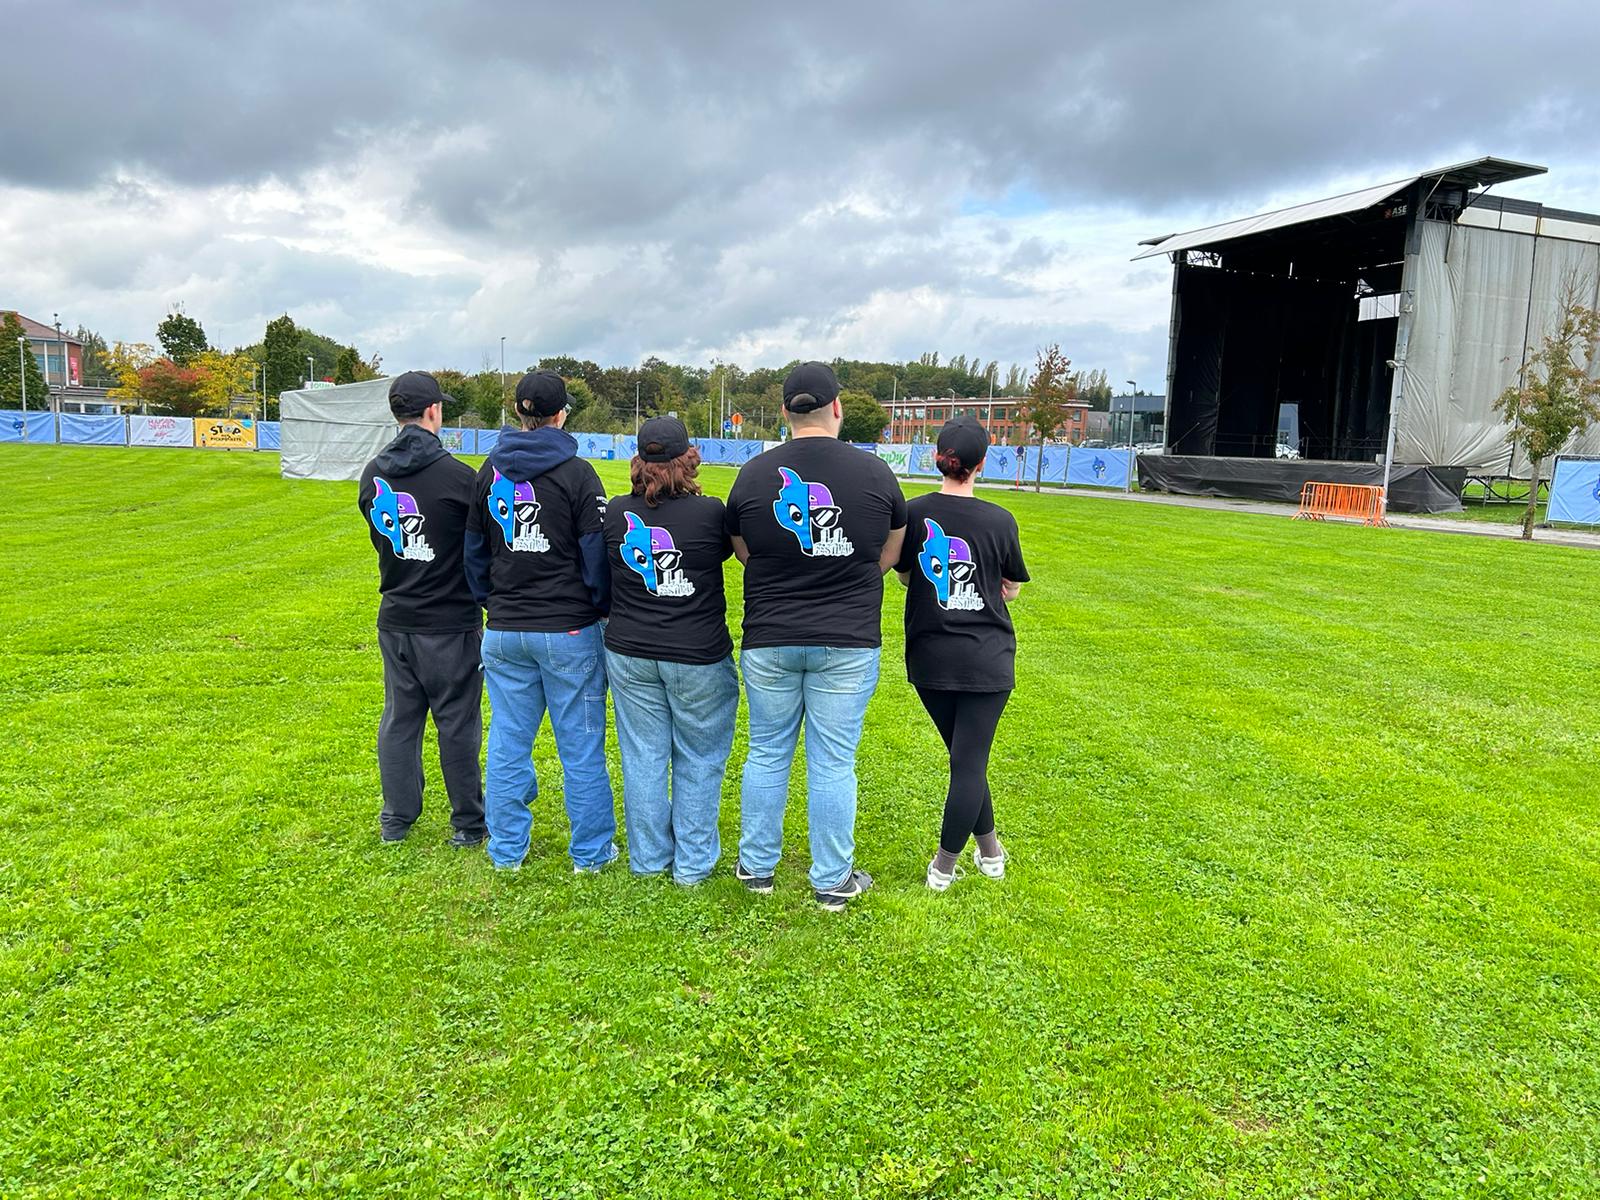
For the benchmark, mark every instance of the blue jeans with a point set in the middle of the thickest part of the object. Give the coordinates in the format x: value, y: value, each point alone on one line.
x: 527, y: 673
x: 680, y: 715
x: 828, y: 688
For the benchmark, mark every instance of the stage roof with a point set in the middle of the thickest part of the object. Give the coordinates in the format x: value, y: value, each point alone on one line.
x: 1478, y: 173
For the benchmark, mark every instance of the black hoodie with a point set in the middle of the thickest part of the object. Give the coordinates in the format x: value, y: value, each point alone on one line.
x: 414, y: 498
x: 535, y: 556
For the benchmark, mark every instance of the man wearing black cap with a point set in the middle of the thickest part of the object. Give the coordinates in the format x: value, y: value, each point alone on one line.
x: 535, y: 558
x: 414, y: 498
x: 816, y: 523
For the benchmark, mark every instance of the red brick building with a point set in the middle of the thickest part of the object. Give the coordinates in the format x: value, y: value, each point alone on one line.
x: 918, y: 418
x: 60, y: 356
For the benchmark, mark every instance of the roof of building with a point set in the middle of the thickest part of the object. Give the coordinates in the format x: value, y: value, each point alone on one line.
x: 39, y: 331
x: 1478, y: 173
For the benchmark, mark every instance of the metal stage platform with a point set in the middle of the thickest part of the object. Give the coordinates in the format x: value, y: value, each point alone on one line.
x: 1412, y: 488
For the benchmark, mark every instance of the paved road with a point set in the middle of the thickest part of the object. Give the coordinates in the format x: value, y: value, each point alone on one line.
x: 1263, y: 508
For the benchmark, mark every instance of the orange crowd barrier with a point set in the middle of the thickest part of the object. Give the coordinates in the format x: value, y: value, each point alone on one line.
x: 1355, y: 501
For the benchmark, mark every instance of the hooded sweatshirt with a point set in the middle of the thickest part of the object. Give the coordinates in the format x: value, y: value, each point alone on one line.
x: 414, y: 497
x: 535, y: 555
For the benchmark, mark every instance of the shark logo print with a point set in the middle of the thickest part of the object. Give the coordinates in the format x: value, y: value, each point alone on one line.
x: 807, y: 510
x: 516, y: 510
x: 650, y: 553
x: 947, y: 563
x: 396, y: 517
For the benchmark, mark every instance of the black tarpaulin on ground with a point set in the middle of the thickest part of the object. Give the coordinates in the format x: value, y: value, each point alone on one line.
x: 1412, y: 488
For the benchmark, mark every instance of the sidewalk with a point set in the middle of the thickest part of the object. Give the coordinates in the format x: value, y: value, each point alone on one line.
x: 1264, y: 508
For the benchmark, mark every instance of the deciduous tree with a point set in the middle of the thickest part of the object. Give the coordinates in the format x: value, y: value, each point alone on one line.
x: 182, y: 338
x: 864, y: 418
x: 1046, y: 408
x: 1558, y: 396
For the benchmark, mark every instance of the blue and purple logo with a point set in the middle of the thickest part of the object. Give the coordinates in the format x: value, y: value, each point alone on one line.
x: 396, y: 518
x: 649, y: 552
x: 807, y: 510
x: 947, y: 563
x: 516, y: 510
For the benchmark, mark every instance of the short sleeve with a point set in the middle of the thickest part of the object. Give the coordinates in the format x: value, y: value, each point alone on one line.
x: 1013, y: 568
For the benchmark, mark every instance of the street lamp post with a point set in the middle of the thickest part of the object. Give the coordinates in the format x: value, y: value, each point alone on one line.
x: 22, y: 376
x: 503, y: 419
x: 311, y: 369
x: 61, y: 391
x: 636, y: 408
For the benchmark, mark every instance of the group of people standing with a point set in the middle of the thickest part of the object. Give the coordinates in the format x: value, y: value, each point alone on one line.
x: 583, y: 593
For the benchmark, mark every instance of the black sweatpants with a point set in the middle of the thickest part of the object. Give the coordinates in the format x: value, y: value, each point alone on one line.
x: 439, y: 673
x: 966, y: 721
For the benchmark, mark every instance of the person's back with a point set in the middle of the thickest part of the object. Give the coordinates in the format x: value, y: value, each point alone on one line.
x: 816, y: 523
x: 414, y: 498
x: 535, y: 557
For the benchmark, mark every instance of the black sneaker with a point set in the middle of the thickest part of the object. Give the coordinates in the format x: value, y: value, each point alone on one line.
x: 466, y: 841
x: 759, y: 884
x: 390, y: 836
x: 835, y: 899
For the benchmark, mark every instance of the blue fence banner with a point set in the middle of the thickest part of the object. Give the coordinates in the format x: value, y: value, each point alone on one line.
x: 93, y: 431
x: 269, y: 435
x: 1575, y: 491
x: 40, y: 426
x: 596, y: 445
x: 1087, y: 467
x: 727, y: 452
x: 624, y: 446
x: 485, y: 441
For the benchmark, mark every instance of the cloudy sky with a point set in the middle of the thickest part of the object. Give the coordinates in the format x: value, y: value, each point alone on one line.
x: 755, y: 182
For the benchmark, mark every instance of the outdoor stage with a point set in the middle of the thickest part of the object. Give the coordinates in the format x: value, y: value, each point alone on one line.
x: 1412, y: 488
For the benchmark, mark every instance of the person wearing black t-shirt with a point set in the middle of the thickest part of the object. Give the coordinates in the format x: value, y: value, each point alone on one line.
x: 816, y: 523
x: 413, y: 499
x: 962, y: 564
x: 669, y: 658
x: 536, y: 559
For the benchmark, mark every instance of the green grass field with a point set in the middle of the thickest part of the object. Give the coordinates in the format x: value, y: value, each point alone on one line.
x: 1304, y: 897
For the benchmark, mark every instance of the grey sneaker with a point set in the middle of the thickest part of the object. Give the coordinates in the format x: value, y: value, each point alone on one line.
x: 761, y: 885
x: 596, y: 868
x: 466, y: 841
x: 834, y: 899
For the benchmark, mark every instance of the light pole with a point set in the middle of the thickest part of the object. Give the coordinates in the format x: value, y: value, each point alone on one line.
x: 636, y: 408
x: 61, y: 391
x: 503, y: 420
x: 22, y: 376
x: 311, y: 369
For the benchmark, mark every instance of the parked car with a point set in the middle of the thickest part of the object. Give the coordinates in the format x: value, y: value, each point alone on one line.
x: 1284, y: 450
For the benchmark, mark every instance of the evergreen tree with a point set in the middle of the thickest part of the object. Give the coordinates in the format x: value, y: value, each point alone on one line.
x: 280, y: 349
x: 18, y: 364
x: 182, y: 338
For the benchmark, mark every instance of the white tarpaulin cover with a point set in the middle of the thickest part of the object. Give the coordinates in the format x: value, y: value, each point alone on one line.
x: 1484, y: 300
x: 331, y: 432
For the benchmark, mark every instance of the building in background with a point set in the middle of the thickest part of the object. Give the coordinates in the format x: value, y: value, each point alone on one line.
x: 918, y: 418
x: 59, y: 354
x: 1147, y: 421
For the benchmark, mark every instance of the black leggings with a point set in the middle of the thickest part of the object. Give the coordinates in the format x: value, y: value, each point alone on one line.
x: 966, y: 721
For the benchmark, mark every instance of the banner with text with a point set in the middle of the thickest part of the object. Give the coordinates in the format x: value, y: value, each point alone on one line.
x: 160, y: 431
x: 457, y: 441
x: 225, y: 433
x: 82, y: 430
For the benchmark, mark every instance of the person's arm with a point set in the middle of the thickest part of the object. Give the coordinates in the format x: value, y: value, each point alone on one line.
x: 740, y: 550
x: 1009, y: 591
x: 475, y: 549
x: 1013, y: 571
x: 892, y: 546
x: 592, y: 561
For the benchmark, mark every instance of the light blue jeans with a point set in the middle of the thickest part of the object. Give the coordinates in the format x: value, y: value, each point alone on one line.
x: 528, y: 673
x: 678, y: 715
x: 828, y: 688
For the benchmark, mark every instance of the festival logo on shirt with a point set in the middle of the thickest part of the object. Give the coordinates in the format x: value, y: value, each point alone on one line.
x: 649, y: 552
x: 516, y: 510
x: 948, y: 564
x: 807, y: 510
x: 396, y: 517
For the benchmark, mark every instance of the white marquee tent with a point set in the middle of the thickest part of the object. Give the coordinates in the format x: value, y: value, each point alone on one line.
x: 331, y: 433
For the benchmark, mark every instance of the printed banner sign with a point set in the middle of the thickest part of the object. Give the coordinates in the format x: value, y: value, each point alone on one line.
x: 898, y: 458
x: 1098, y: 468
x: 457, y: 441
x: 34, y: 427
x: 225, y: 433
x: 160, y: 431
x: 595, y: 445
x: 93, y: 431
x: 1575, y: 491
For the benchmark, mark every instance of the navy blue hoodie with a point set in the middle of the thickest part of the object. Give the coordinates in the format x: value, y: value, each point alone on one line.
x: 414, y: 499
x: 535, y: 555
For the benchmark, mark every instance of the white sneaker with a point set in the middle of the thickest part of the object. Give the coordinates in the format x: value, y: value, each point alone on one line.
x: 994, y: 868
x: 938, y: 881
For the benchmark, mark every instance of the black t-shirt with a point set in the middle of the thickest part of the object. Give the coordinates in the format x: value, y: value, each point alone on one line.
x: 413, y: 500
x: 531, y: 529
x: 958, y: 629
x: 815, y: 513
x: 667, y: 600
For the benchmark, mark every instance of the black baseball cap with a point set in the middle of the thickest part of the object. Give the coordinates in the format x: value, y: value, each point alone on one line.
x: 662, y: 439
x: 542, y: 394
x: 810, y: 386
x: 410, y: 394
x: 966, y: 439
